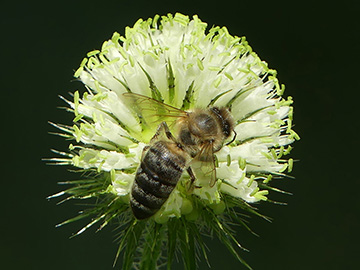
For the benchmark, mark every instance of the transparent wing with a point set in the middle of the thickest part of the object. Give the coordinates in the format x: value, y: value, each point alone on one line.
x: 207, y: 159
x: 151, y: 111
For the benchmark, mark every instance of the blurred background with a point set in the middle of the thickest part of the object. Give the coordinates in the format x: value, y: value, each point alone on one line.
x: 314, y: 46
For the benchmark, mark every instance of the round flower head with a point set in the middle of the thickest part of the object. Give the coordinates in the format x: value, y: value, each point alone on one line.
x: 174, y: 61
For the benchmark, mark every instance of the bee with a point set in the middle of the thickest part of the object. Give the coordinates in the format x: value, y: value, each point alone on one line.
x: 199, y: 134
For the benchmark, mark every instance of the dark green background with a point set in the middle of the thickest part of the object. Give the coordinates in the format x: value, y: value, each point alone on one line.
x: 314, y: 46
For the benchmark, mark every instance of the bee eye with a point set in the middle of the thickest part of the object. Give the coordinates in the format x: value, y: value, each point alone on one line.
x: 226, y: 129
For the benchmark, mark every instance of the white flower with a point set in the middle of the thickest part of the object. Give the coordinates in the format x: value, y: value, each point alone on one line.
x: 176, y: 58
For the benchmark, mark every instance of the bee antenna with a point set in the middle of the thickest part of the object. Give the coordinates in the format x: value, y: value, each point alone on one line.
x: 233, y: 139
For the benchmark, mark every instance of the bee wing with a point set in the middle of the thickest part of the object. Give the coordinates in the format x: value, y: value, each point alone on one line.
x: 207, y: 159
x: 151, y: 111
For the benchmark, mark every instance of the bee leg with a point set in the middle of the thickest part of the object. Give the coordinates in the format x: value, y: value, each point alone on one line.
x: 191, y: 174
x: 167, y: 131
x: 190, y: 185
x: 163, y: 129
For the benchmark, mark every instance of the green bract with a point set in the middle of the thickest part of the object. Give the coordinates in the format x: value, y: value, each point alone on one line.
x: 174, y: 60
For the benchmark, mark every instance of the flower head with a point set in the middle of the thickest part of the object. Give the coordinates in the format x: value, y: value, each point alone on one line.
x: 173, y: 60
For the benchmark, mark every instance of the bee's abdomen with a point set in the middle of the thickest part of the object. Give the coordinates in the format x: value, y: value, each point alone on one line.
x: 155, y: 179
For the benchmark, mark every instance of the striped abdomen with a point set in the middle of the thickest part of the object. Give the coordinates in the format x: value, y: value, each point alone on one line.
x: 157, y: 176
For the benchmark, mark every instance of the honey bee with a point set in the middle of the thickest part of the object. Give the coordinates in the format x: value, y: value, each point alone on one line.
x: 199, y: 134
